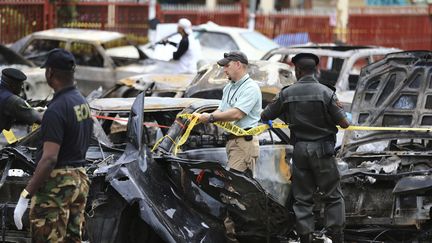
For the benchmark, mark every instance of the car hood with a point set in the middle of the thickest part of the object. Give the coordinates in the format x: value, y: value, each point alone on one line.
x: 394, y: 92
x: 161, y: 82
x: 148, y: 66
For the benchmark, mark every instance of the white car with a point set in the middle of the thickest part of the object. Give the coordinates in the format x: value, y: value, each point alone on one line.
x: 102, y: 57
x: 215, y: 40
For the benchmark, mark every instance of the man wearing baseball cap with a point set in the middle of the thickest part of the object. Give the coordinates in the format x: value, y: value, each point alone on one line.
x: 57, y: 211
x: 241, y: 104
x: 312, y: 112
x: 12, y: 107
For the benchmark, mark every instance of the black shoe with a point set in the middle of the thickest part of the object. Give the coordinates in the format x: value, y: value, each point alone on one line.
x: 306, y: 238
x: 337, y: 237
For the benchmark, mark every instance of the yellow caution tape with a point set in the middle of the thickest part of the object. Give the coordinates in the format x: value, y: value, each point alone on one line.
x: 34, y: 126
x: 365, y: 128
x: 183, y: 139
x: 236, y: 130
x: 10, y: 136
x: 160, y: 140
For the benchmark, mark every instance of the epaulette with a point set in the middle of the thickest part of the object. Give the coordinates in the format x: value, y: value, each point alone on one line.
x: 285, y: 87
x: 329, y: 86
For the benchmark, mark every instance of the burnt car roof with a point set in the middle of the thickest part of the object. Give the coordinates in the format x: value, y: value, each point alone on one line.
x: 270, y: 76
x: 150, y: 104
x: 340, y: 50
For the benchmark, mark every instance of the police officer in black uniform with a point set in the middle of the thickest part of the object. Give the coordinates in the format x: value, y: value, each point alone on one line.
x: 59, y: 185
x: 12, y: 107
x: 312, y: 111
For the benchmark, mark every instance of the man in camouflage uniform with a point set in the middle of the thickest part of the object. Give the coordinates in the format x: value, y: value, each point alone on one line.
x: 59, y: 185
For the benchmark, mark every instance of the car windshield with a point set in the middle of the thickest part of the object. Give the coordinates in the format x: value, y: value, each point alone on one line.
x: 258, y: 40
x: 119, y: 42
x: 121, y: 51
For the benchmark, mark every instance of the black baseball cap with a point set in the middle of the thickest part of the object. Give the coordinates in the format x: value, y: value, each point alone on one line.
x: 300, y: 56
x: 233, y: 56
x: 12, y: 75
x: 60, y: 59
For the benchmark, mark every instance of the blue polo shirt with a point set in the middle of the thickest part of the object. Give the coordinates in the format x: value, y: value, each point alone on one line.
x: 244, y: 95
x: 68, y: 122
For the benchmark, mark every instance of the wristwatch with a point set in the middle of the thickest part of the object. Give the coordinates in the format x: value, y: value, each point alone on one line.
x: 25, y: 194
x: 211, y: 118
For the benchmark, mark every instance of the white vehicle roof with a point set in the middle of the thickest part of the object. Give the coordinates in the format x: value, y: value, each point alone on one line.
x: 80, y: 34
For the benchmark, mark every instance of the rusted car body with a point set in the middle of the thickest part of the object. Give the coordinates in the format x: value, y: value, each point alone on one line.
x: 339, y: 65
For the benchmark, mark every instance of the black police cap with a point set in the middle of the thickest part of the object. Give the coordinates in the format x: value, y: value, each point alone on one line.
x: 300, y: 56
x: 60, y: 59
x: 13, y: 75
x: 233, y: 56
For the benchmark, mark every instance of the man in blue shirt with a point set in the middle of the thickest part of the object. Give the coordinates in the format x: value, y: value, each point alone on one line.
x: 241, y: 104
x: 59, y: 185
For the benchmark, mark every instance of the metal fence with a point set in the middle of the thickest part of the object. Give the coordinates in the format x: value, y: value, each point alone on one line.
x: 408, y: 28
x: 403, y: 27
x: 19, y: 18
x: 230, y: 15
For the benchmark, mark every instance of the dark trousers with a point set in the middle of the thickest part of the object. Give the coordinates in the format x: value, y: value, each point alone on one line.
x: 314, y: 170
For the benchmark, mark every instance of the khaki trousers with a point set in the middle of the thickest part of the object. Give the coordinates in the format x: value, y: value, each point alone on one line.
x: 242, y: 154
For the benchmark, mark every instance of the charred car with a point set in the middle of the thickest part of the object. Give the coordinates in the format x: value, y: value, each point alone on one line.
x: 139, y: 195
x: 386, y: 174
x: 102, y: 57
x: 339, y: 65
x: 179, y: 190
x: 207, y: 83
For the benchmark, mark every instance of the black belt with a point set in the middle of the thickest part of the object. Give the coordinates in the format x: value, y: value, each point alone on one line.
x: 73, y: 164
x: 329, y: 138
x: 230, y: 136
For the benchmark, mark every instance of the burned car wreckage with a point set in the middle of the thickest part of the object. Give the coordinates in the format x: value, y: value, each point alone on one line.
x: 141, y: 196
x: 144, y: 191
x: 207, y: 83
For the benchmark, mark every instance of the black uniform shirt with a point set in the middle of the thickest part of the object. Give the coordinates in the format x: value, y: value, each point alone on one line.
x: 67, y: 122
x: 15, y: 109
x: 182, y: 48
x: 310, y: 109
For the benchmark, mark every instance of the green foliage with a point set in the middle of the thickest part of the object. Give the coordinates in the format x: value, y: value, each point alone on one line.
x: 66, y: 11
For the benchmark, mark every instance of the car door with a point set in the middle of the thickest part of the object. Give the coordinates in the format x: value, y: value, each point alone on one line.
x: 93, y: 69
